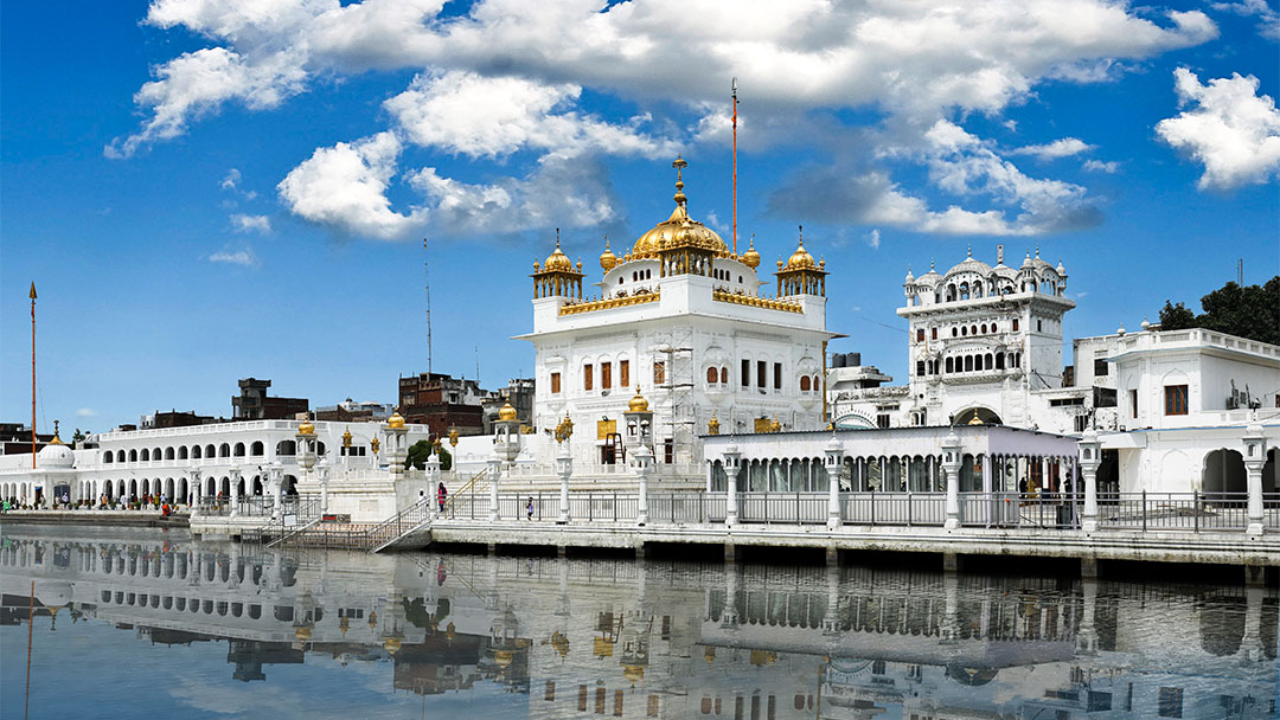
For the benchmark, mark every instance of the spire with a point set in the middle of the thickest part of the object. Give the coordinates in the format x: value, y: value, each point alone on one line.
x: 680, y: 165
x: 969, y: 252
x: 32, y: 294
x: 801, y: 236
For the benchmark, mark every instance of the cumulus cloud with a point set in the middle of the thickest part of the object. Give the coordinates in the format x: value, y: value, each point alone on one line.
x: 873, y: 239
x: 1066, y: 147
x: 344, y: 188
x: 500, y: 79
x: 85, y: 412
x: 1227, y: 127
x: 1109, y: 167
x: 251, y: 223
x: 244, y: 257
x: 1268, y: 18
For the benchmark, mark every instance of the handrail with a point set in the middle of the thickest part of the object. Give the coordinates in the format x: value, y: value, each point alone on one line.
x: 296, y: 531
x: 395, y: 519
x: 469, y: 486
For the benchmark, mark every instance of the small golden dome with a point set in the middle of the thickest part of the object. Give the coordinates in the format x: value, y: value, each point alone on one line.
x: 391, y: 645
x: 306, y: 428
x: 976, y: 420
x: 395, y: 421
x: 503, y: 658
x: 633, y: 673
x: 302, y: 633
x: 557, y: 261
x: 801, y: 259
x: 507, y: 413
x: 638, y: 403
x: 751, y: 258
x: 607, y: 259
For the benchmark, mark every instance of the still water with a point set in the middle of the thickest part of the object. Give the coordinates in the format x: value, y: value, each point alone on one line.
x: 148, y: 623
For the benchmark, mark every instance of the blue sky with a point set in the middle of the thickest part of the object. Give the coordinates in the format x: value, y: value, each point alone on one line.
x: 206, y: 190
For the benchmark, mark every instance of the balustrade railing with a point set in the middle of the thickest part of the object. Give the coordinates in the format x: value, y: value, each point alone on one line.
x: 1271, y: 510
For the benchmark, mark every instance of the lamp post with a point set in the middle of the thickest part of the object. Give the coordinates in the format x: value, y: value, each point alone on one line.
x: 951, y: 470
x: 1255, y: 458
x: 732, y: 464
x: 564, y: 466
x: 833, y: 457
x: 495, y: 473
x: 1090, y: 459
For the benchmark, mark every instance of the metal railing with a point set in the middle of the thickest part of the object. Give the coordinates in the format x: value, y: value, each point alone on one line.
x: 1271, y: 511
x: 1193, y: 511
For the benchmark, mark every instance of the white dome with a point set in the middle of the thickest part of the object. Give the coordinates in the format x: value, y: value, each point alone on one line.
x: 56, y: 456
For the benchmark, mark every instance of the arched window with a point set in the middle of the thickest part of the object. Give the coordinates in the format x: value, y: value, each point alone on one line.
x: 989, y: 363
x: 954, y: 332
x: 168, y: 453
x: 968, y: 363
x: 804, y: 383
x: 973, y: 329
x: 999, y: 361
x: 724, y: 374
x: 239, y: 450
x: 713, y: 376
x: 146, y: 455
x: 107, y: 457
x: 210, y: 451
x: 964, y: 331
x: 984, y: 328
x: 224, y: 450
x: 256, y: 449
x: 949, y: 366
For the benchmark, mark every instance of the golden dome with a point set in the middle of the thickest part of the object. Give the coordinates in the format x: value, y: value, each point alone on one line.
x: 391, y: 645
x: 800, y: 259
x: 503, y: 658
x: 557, y: 261
x: 678, y: 230
x: 638, y: 403
x: 507, y: 413
x: 976, y: 420
x: 751, y: 258
x: 302, y: 633
x: 633, y: 673
x: 395, y: 421
x: 306, y: 428
x: 607, y: 259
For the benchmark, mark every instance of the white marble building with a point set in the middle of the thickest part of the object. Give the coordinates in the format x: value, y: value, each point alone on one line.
x: 356, y: 468
x: 689, y: 325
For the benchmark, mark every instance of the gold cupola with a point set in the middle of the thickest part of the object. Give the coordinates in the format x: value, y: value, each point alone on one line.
x: 751, y: 258
x: 557, y: 277
x: 801, y: 275
x: 507, y: 413
x: 638, y: 403
x: 395, y: 422
x: 679, y: 238
x: 607, y: 259
x: 306, y: 428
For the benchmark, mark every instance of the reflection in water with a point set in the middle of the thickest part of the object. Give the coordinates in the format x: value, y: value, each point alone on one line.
x: 631, y: 639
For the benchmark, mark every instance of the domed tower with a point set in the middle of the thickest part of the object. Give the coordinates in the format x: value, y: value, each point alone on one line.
x: 557, y: 277
x: 801, y: 275
x: 683, y: 246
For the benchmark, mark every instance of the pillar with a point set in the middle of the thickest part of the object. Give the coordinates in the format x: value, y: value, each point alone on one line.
x: 322, y: 474
x: 235, y: 492
x: 1090, y: 459
x: 833, y: 458
x: 193, y: 491
x: 564, y: 468
x: 1255, y: 458
x: 732, y: 466
x: 642, y: 463
x: 495, y: 473
x: 951, y: 473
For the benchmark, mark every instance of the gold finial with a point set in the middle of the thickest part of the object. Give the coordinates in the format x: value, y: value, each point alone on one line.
x: 346, y: 438
x: 680, y: 165
x: 56, y: 439
x: 557, y: 238
x: 713, y: 425
x: 32, y: 294
x: 801, y: 235
x: 453, y: 436
x: 976, y: 420
x: 969, y: 252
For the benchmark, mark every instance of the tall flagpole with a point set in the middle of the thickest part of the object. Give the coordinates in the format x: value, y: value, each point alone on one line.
x: 32, y: 295
x: 735, y: 166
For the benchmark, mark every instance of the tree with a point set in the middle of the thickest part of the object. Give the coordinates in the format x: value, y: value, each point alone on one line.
x: 420, y: 451
x: 77, y: 437
x: 1251, y: 312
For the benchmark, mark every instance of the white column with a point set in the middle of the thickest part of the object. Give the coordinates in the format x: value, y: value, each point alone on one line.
x: 833, y: 458
x: 564, y: 468
x: 1090, y: 459
x: 732, y: 466
x: 1255, y: 458
x: 235, y: 493
x: 643, y: 464
x: 951, y: 471
x: 322, y: 474
x: 495, y: 473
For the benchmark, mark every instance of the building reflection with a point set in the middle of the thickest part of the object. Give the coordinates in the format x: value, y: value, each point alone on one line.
x: 649, y: 639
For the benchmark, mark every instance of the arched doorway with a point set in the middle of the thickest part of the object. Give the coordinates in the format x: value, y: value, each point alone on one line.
x: 1224, y: 472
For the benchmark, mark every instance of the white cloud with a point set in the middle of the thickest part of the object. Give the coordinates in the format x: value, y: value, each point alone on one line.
x: 1065, y: 147
x: 197, y: 83
x: 464, y: 112
x: 244, y: 257
x: 1268, y: 18
x: 85, y: 412
x: 254, y: 223
x: 873, y: 239
x: 231, y: 181
x: 1109, y: 167
x: 1231, y: 130
x: 344, y: 188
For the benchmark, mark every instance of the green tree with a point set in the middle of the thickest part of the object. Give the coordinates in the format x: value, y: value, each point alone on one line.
x: 420, y: 451
x: 77, y: 437
x: 1251, y: 312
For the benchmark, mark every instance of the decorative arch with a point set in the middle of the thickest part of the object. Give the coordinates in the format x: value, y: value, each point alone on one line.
x: 983, y: 413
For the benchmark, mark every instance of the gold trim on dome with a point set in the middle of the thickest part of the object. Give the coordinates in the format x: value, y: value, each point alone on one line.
x: 395, y: 421
x: 800, y: 259
x: 752, y: 301
x: 306, y: 428
x: 679, y: 230
x: 607, y: 259
x: 617, y: 302
x: 557, y: 262
x: 751, y: 258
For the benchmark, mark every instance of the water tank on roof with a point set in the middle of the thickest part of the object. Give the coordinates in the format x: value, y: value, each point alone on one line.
x: 853, y: 359
x: 837, y: 360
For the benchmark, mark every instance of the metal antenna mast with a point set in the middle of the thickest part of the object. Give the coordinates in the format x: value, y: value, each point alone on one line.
x: 32, y: 295
x: 735, y: 165
x: 426, y: 274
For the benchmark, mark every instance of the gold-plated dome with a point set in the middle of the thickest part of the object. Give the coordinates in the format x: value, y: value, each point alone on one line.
x: 633, y: 673
x: 679, y: 230
x: 306, y: 428
x: 503, y: 658
x: 557, y: 261
x: 395, y: 421
x: 607, y: 259
x: 638, y: 403
x: 391, y: 645
x: 751, y: 258
x: 303, y: 633
x: 976, y: 420
x: 800, y: 259
x: 507, y: 413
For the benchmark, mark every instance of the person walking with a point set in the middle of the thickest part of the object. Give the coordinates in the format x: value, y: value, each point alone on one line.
x: 441, y: 496
x: 529, y: 508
